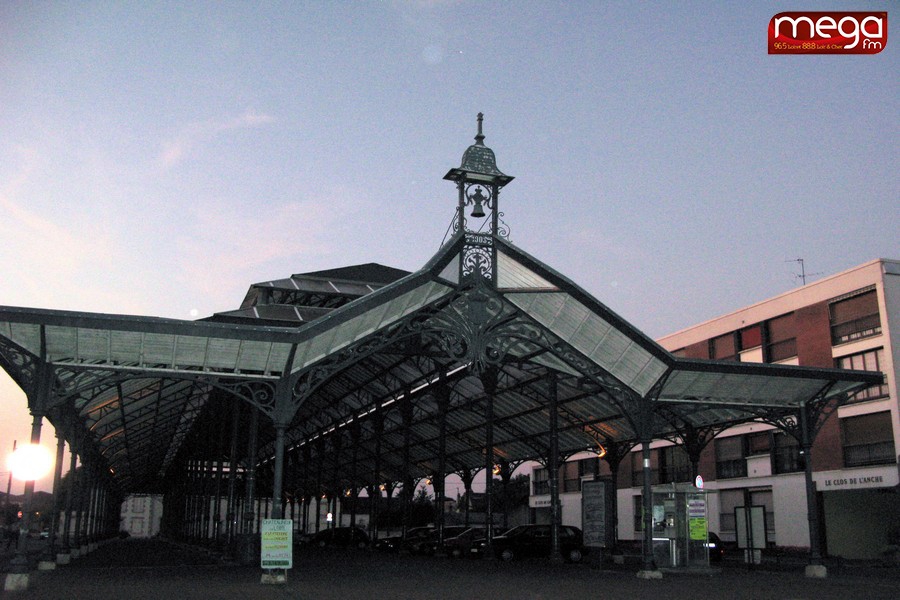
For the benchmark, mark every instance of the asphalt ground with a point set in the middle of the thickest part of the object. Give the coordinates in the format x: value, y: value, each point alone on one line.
x: 137, y: 569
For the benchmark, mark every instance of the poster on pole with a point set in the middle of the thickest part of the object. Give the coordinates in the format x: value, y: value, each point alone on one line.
x: 750, y: 527
x: 593, y: 513
x: 276, y: 545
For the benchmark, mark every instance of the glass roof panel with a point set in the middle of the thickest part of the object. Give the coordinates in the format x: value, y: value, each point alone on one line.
x: 90, y: 345
x: 157, y: 348
x: 451, y: 271
x: 190, y: 351
x: 552, y: 362
x: 223, y: 354
x: 368, y: 322
x: 739, y: 388
x: 594, y: 337
x: 125, y: 346
x: 512, y: 275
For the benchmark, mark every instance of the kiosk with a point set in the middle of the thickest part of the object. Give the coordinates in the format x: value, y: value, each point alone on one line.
x: 680, y: 530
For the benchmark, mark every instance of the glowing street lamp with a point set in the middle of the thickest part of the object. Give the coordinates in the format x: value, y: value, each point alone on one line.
x: 30, y: 462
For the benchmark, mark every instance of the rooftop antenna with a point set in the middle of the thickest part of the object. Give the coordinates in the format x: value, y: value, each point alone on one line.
x: 802, y: 274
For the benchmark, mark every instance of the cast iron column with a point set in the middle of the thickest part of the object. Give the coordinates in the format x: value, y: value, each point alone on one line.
x: 489, y: 382
x: 250, y: 473
x: 442, y: 393
x: 230, y: 511
x: 553, y: 471
x: 19, y: 563
x: 647, y: 494
x: 376, y: 487
x: 812, y: 505
x: 51, y: 547
x: 70, y: 494
x: 278, y: 477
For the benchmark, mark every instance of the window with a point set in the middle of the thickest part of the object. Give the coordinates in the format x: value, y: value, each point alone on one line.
x: 781, y: 342
x: 786, y: 457
x: 855, y: 317
x: 728, y: 501
x: 868, y: 440
x: 570, y: 477
x: 638, y: 513
x: 723, y: 347
x: 764, y: 498
x: 759, y: 443
x: 730, y: 458
x: 751, y: 337
x: 588, y: 466
x: 540, y: 482
x: 866, y: 361
x: 570, y: 474
x: 674, y: 464
x: 637, y: 468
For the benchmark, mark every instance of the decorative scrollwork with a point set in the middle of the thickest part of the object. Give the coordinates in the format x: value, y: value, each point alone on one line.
x: 340, y: 360
x: 478, y: 328
x: 477, y: 260
x: 502, y: 227
x: 260, y: 394
x: 20, y: 365
x: 479, y: 196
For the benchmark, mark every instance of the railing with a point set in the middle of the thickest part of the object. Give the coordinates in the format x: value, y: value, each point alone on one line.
x: 856, y: 329
x: 879, y: 453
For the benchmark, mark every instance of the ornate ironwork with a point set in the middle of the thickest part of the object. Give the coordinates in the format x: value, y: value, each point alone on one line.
x: 474, y: 328
x: 478, y: 260
x: 502, y: 227
x: 310, y: 380
x: 789, y: 421
x: 260, y: 394
x: 20, y: 364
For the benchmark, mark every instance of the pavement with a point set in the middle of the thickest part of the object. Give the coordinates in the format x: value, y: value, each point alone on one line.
x: 135, y: 569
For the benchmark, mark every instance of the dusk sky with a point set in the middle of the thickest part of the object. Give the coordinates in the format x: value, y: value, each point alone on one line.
x: 158, y: 158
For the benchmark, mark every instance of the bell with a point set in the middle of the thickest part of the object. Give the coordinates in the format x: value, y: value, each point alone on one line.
x: 477, y: 198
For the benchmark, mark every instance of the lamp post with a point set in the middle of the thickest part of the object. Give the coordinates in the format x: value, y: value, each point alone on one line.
x: 8, y: 487
x: 29, y: 463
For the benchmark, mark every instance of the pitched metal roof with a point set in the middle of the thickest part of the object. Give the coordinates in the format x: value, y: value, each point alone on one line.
x: 366, y: 373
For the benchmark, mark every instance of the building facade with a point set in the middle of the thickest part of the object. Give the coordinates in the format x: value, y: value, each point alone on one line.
x: 141, y: 515
x: 849, y: 320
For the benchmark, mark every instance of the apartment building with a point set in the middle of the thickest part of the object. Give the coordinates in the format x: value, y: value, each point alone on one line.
x: 849, y: 320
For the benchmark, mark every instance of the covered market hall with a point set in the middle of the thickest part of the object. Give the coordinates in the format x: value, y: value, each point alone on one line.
x: 335, y: 383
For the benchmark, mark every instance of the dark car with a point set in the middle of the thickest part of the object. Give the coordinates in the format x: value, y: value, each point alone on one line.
x: 461, y: 545
x: 429, y: 545
x: 534, y: 541
x: 716, y: 551
x: 396, y: 543
x: 341, y: 537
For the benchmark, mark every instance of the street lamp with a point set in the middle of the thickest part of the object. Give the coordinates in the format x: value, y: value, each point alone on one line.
x: 30, y: 462
x: 27, y: 463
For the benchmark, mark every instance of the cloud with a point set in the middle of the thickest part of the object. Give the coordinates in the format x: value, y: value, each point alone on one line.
x: 232, y: 248
x: 47, y: 243
x: 194, y: 134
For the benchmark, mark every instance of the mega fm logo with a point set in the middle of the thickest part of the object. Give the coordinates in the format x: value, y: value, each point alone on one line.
x: 828, y: 33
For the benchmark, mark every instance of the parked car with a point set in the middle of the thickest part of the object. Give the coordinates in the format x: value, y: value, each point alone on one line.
x: 341, y: 537
x: 396, y: 543
x: 716, y: 550
x: 303, y: 539
x: 534, y: 541
x: 461, y: 545
x: 429, y: 544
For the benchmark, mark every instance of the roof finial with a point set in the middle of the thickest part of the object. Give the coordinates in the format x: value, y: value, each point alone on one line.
x: 479, y: 139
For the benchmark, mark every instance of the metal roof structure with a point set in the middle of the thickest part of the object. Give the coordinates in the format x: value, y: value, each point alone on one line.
x: 132, y: 388
x: 370, y: 374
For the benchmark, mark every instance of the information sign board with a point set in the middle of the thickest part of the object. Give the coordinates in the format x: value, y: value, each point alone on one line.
x: 276, y: 545
x: 593, y: 513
